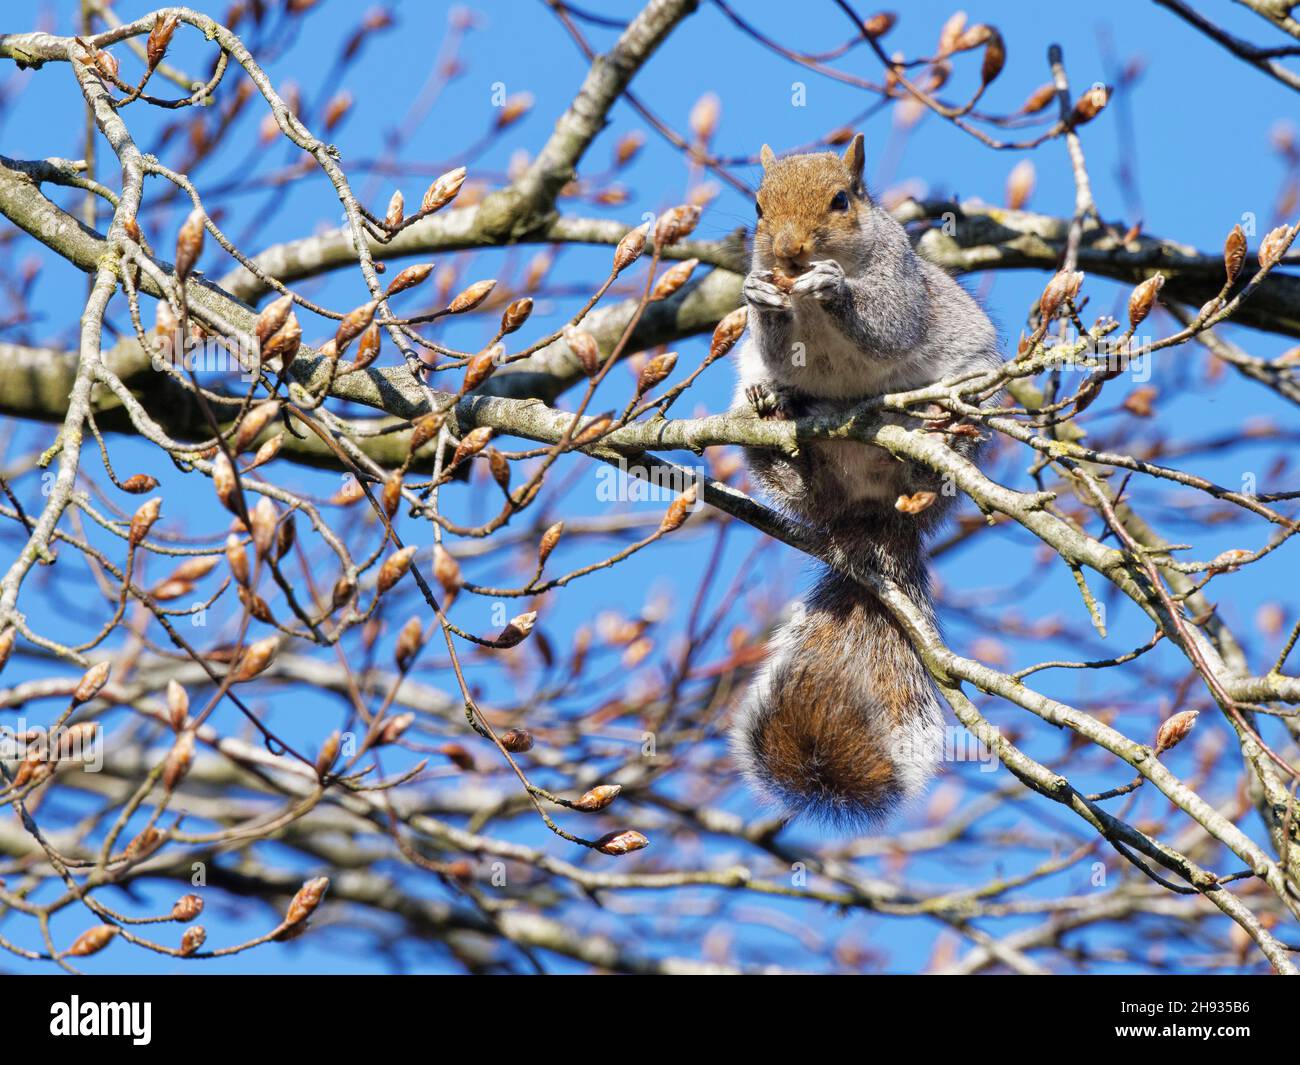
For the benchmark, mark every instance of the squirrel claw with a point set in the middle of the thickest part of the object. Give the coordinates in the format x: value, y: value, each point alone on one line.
x: 765, y: 404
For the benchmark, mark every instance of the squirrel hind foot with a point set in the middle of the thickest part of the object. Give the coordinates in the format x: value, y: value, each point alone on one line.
x: 822, y: 765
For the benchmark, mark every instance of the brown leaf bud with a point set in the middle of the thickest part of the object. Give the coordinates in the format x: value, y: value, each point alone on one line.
x: 598, y: 797
x: 995, y: 57
x: 255, y: 605
x: 1174, y: 730
x: 139, y: 483
x: 263, y: 519
x: 394, y: 728
x: 197, y: 568
x: 344, y: 589
x: 499, y: 465
x: 237, y: 558
x: 396, y: 210
x: 673, y: 278
x: 354, y: 323
x: 446, y: 570
x: 517, y: 740
x: 193, y: 940
x: 727, y: 332
x: 7, y: 644
x: 1229, y: 560
x: 879, y: 24
x: 424, y: 429
x: 1020, y: 184
x: 594, y: 429
x: 178, y: 759
x: 164, y: 26
x: 458, y: 756
x: 189, y: 243
x: 148, y: 842
x: 256, y: 658
x: 517, y: 629
x: 283, y: 343
x: 481, y: 367
x: 630, y: 247
x: 394, y: 568
x: 1090, y: 105
x: 286, y: 533
x: 254, y: 422
x: 91, y: 682
x: 471, y: 444
x: 549, y: 539
x: 678, y: 510
x: 304, y: 903
x: 655, y: 371
x: 273, y: 317
x: 391, y: 497
x: 92, y: 941
x: 1142, y: 298
x: 1234, y: 253
x: 367, y: 347
x: 409, y: 642
x: 516, y: 315
x: 223, y: 480
x: 471, y: 297
x: 178, y: 705
x: 329, y: 752
x: 443, y: 190
x: 1039, y: 99
x: 585, y: 349
x: 1274, y: 245
x: 142, y: 520
x: 186, y: 908
x: 624, y: 842
x: 675, y: 224
x: 409, y: 278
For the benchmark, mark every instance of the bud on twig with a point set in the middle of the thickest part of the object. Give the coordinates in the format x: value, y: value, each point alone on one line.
x: 394, y: 728
x: 139, y: 483
x: 394, y: 568
x: 91, y: 682
x: 164, y: 26
x: 304, y: 903
x: 585, y: 349
x: 481, y: 367
x: 223, y: 480
x: 446, y: 570
x: 655, y: 371
x: 1174, y: 730
x: 237, y: 559
x: 675, y: 224
x: 409, y: 642
x: 142, y: 521
x: 1234, y: 253
x: 549, y: 539
x: 178, y: 705
x: 354, y: 323
x: 630, y: 247
x: 1089, y: 105
x: 396, y: 210
x: 673, y: 278
x: 517, y: 630
x: 471, y: 444
x: 622, y: 842
x: 7, y: 644
x: 192, y: 940
x: 516, y: 315
x: 256, y: 658
x: 329, y: 751
x: 1144, y: 295
x: 189, y: 243
x: 254, y: 422
x: 598, y: 797
x: 1274, y: 246
x: 471, y: 297
x: 727, y: 332
x: 178, y: 760
x: 424, y: 429
x: 92, y: 941
x: 443, y: 190
x: 678, y: 510
x: 409, y: 278
x: 187, y: 908
x: 517, y: 740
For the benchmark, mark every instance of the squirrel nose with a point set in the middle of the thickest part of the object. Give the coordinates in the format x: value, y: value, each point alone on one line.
x: 790, y: 246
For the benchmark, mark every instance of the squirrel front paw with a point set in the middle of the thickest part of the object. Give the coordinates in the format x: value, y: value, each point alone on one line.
x: 766, y: 403
x: 822, y: 281
x: 760, y: 292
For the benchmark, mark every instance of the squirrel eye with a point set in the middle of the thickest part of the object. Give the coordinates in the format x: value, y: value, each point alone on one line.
x: 840, y: 201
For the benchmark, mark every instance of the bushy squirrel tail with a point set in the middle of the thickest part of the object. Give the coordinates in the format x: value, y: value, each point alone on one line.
x: 843, y: 722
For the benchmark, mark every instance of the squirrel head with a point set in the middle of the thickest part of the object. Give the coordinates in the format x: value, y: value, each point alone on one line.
x: 810, y: 207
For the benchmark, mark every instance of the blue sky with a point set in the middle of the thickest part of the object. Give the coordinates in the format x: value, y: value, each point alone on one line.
x: 1195, y: 131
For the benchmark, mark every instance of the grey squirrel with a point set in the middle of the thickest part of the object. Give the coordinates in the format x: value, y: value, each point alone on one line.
x: 843, y: 721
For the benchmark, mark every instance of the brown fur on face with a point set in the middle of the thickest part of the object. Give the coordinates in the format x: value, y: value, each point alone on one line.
x: 798, y: 191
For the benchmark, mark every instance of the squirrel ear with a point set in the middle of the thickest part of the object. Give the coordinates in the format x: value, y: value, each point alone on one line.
x: 853, y: 159
x: 766, y: 156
